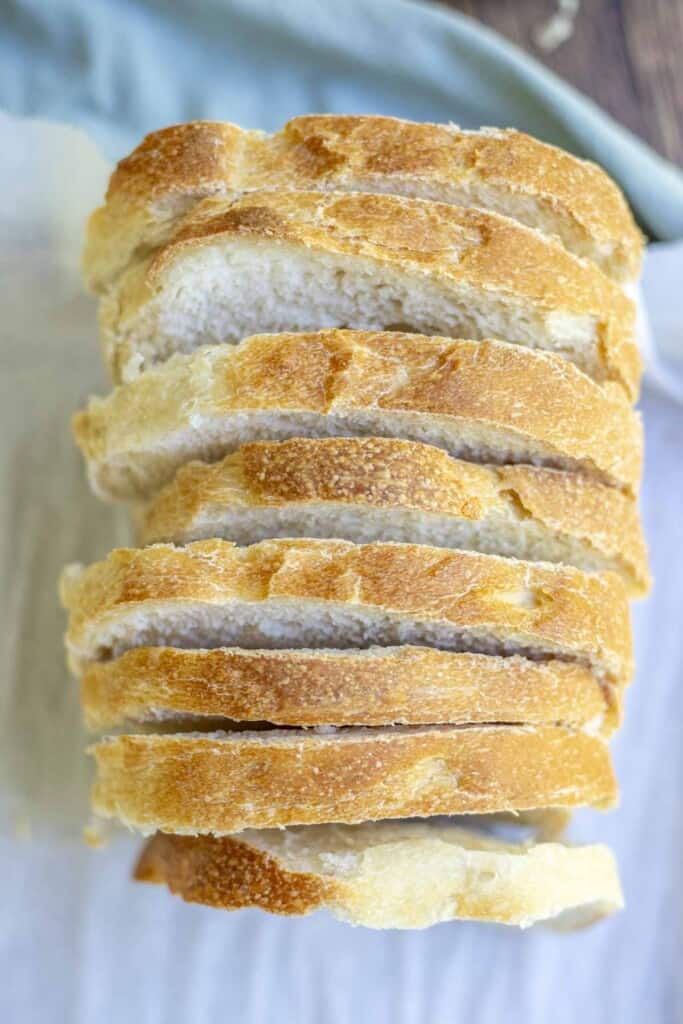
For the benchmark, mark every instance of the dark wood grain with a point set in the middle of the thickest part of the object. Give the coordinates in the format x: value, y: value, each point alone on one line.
x: 627, y: 55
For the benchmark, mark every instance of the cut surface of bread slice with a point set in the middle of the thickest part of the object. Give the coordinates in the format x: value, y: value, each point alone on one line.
x: 277, y: 261
x: 388, y: 875
x: 225, y: 782
x: 371, y: 489
x: 484, y: 401
x: 495, y: 169
x: 318, y: 593
x: 378, y: 686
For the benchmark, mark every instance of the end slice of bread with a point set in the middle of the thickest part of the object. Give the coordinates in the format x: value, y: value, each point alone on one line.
x: 225, y: 782
x: 277, y: 261
x: 372, y: 489
x: 482, y: 401
x: 495, y: 169
x: 388, y: 875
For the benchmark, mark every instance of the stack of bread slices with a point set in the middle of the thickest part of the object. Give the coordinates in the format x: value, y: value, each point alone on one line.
x: 372, y: 413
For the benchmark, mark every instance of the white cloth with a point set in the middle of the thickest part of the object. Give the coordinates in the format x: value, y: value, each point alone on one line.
x: 80, y: 943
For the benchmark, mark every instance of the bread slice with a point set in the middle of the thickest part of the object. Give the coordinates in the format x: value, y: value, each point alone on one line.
x: 370, y: 489
x: 377, y: 686
x: 500, y: 170
x: 483, y: 401
x: 278, y: 261
x: 329, y: 593
x: 224, y: 782
x: 388, y: 875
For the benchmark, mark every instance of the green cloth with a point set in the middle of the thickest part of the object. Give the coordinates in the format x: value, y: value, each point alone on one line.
x: 120, y: 68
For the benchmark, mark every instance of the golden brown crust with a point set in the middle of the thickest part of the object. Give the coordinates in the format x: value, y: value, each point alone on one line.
x: 387, y: 875
x: 389, y: 474
x: 447, y: 245
x: 604, y: 518
x: 372, y: 150
x: 224, y: 872
x: 503, y: 170
x: 381, y: 686
x: 193, y: 784
x: 531, y: 605
x: 197, y: 157
x: 537, y: 401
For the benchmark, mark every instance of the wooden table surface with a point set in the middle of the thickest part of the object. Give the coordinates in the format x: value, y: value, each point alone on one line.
x: 627, y: 55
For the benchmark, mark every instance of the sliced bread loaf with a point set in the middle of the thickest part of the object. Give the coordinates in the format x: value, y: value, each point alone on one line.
x: 223, y: 782
x: 331, y: 593
x: 278, y: 261
x: 376, y: 686
x: 495, y: 169
x: 482, y: 401
x: 388, y: 874
x: 370, y: 489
